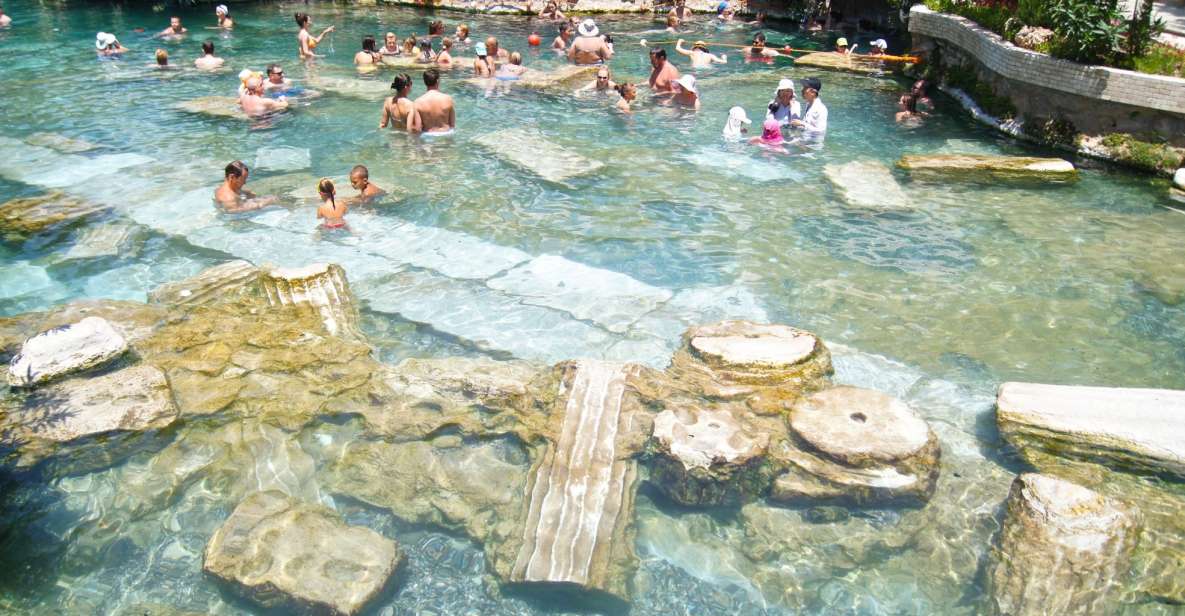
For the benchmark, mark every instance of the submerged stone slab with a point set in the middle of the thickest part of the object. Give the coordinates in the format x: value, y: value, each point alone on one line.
x: 64, y: 418
x: 608, y: 298
x: 19, y: 278
x: 282, y: 158
x: 1063, y: 549
x: 1140, y: 429
x: 565, y: 77
x: 578, y: 526
x: 216, y: 106
x: 716, y: 160
x: 61, y: 143
x: 32, y: 215
x: 81, y: 169
x: 707, y: 456
x: 735, y: 359
x: 72, y: 348
x: 288, y: 555
x: 858, y: 445
x: 223, y: 282
x: 867, y: 183
x: 109, y: 240
x: 321, y: 287
x: 530, y: 150
x: 985, y: 167
x: 352, y: 87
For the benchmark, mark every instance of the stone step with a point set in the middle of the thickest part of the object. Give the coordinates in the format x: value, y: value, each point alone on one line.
x: 530, y: 150
x: 867, y: 183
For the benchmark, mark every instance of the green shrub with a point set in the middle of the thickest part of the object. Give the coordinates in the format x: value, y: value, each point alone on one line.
x: 1143, y: 30
x: 1162, y: 59
x: 1142, y: 154
x: 1033, y: 12
x: 1051, y: 131
x: 1087, y: 31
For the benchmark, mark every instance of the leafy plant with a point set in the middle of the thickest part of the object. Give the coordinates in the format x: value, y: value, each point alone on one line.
x: 1033, y: 12
x: 1087, y: 31
x: 1143, y: 29
x: 1162, y: 59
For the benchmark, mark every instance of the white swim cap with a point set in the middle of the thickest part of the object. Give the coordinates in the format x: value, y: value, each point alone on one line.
x: 221, y: 10
x: 103, y: 40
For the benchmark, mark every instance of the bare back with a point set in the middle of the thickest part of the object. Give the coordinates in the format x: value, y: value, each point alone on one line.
x: 435, y: 112
x: 589, y: 50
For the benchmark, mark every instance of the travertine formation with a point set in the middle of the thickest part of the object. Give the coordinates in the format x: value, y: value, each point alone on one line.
x: 217, y: 106
x: 223, y: 282
x: 108, y: 240
x: 31, y: 215
x: 867, y: 183
x: 80, y: 346
x: 987, y: 168
x: 736, y: 359
x: 833, y: 61
x: 285, y: 554
x: 1063, y: 549
x: 319, y: 287
x: 706, y: 456
x: 532, y: 151
x: 857, y: 445
x: 578, y: 524
x: 1141, y: 429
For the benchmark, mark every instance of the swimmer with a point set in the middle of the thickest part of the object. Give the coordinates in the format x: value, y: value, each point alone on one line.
x: 390, y: 46
x: 175, y: 28
x: 909, y: 110
x: 918, y: 91
x: 841, y: 47
x: 483, y: 65
x: 208, y: 61
x: 602, y: 83
x: 878, y: 47
x: 434, y: 111
x: 680, y: 11
x: 724, y: 12
x: 771, y: 136
x: 107, y: 45
x: 360, y: 180
x: 814, y: 118
x: 512, y: 70
x: 589, y: 47
x: 305, y: 42
x: 398, y: 109
x: 162, y: 61
x: 5, y: 20
x: 699, y: 54
x: 757, y: 49
x: 686, y: 93
x: 254, y: 103
x: 232, y: 197
x: 494, y: 51
x: 223, y: 15
x: 664, y: 75
x: 275, y: 79
x: 334, y: 215
x: 672, y: 25
x: 409, y: 44
x: 733, y: 127
x: 628, y: 92
x: 462, y: 34
x: 784, y: 107
x: 427, y: 56
x: 565, y: 36
x: 369, y: 55
x: 552, y: 11
x: 445, y: 57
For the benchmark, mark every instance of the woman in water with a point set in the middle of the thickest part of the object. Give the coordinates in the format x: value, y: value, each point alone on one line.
x: 334, y: 215
x: 909, y: 113
x: 409, y: 45
x: 462, y: 34
x: 108, y: 46
x: 397, y: 109
x: 390, y: 46
x: 483, y: 65
x: 444, y: 59
x: 628, y: 92
x: 305, y: 42
x: 369, y: 55
x: 223, y: 15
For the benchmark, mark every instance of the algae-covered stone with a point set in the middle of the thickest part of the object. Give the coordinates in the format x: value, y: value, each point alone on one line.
x: 286, y: 554
x: 65, y: 419
x: 987, y: 167
x: 228, y: 281
x: 1063, y: 549
x: 80, y: 346
x: 320, y: 287
x: 61, y: 143
x: 706, y: 456
x: 736, y: 359
x: 31, y: 215
x: 1140, y: 429
x: 833, y: 61
x: 858, y: 445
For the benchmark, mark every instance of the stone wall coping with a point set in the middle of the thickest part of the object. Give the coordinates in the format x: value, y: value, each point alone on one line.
x: 1158, y: 92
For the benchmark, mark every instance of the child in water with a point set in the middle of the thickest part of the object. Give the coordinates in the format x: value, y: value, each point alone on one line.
x: 334, y: 214
x: 771, y: 137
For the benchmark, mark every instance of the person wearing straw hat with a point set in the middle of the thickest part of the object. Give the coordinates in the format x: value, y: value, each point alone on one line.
x: 784, y: 107
x: 107, y: 45
x: 686, y: 93
x: 223, y: 15
x: 589, y: 47
x: 699, y: 54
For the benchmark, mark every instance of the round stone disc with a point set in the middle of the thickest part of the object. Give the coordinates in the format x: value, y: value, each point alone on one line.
x: 770, y: 345
x: 852, y: 425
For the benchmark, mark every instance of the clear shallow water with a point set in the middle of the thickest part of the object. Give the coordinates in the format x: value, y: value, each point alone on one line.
x: 972, y: 285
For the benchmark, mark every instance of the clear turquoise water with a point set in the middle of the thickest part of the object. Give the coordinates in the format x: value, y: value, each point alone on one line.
x: 971, y: 286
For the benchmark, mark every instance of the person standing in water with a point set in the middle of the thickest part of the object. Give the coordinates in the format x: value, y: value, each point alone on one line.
x: 390, y: 46
x: 445, y: 57
x: 369, y: 55
x: 664, y: 75
x: 563, y: 38
x: 232, y: 197
x: 276, y: 82
x: 223, y: 15
x: 686, y: 93
x: 483, y: 64
x: 360, y: 180
x: 107, y: 45
x: 254, y: 103
x: 699, y: 54
x: 306, y: 42
x: 462, y: 35
x: 784, y: 107
x: 398, y: 109
x: 175, y: 28
x: 208, y: 61
x: 602, y: 83
x: 628, y: 92
x: 589, y: 47
x: 434, y: 111
x: 814, y: 118
x: 331, y: 212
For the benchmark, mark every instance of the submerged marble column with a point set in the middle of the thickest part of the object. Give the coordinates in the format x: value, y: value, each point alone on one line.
x: 321, y: 287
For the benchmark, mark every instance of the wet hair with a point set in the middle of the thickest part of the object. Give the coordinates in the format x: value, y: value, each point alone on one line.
x: 208, y: 47
x: 162, y: 57
x: 426, y: 44
x: 236, y: 169
x: 446, y: 43
x: 623, y: 87
x: 368, y: 43
x: 401, y: 81
x: 759, y: 38
x: 409, y: 42
x: 431, y: 77
x: 911, y: 103
x: 360, y: 170
x: 301, y: 19
x: 565, y: 27
x: 672, y: 21
x: 325, y: 187
x: 436, y: 27
x: 464, y: 28
x: 918, y: 88
x: 516, y: 58
x: 658, y: 52
x: 271, y: 68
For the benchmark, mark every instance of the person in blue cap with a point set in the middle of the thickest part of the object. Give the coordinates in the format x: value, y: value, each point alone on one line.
x: 483, y: 65
x: 724, y: 11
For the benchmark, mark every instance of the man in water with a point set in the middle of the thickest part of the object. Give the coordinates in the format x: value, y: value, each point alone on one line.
x: 433, y: 111
x: 498, y: 54
x: 680, y: 11
x: 360, y: 180
x: 512, y: 70
x: 223, y: 15
x: 175, y: 28
x: 602, y: 84
x: 814, y: 118
x: 699, y: 54
x: 664, y: 75
x: 390, y: 46
x: 254, y: 103
x: 276, y: 82
x: 232, y: 197
x: 561, y: 41
x: 589, y: 47
x: 208, y: 61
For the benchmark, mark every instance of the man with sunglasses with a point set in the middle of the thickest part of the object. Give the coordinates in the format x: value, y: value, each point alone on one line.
x: 602, y: 84
x: 275, y: 80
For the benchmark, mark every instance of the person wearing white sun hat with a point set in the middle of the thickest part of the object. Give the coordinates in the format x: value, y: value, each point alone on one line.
x: 686, y: 93
x: 107, y: 45
x: 878, y: 47
x: 223, y: 15
x: 784, y: 107
x: 733, y: 128
x: 589, y: 47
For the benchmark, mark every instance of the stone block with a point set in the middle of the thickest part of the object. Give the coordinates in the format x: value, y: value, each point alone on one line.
x: 52, y: 354
x: 224, y: 282
x: 530, y: 150
x: 320, y: 287
x: 988, y: 168
x: 709, y: 456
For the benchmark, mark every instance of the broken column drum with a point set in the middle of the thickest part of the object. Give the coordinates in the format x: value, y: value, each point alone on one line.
x: 320, y: 287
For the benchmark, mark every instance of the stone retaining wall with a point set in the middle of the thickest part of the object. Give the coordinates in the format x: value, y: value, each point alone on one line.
x: 1096, y: 99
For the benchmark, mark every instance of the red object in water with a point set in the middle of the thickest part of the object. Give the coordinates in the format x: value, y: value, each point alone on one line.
x: 534, y: 40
